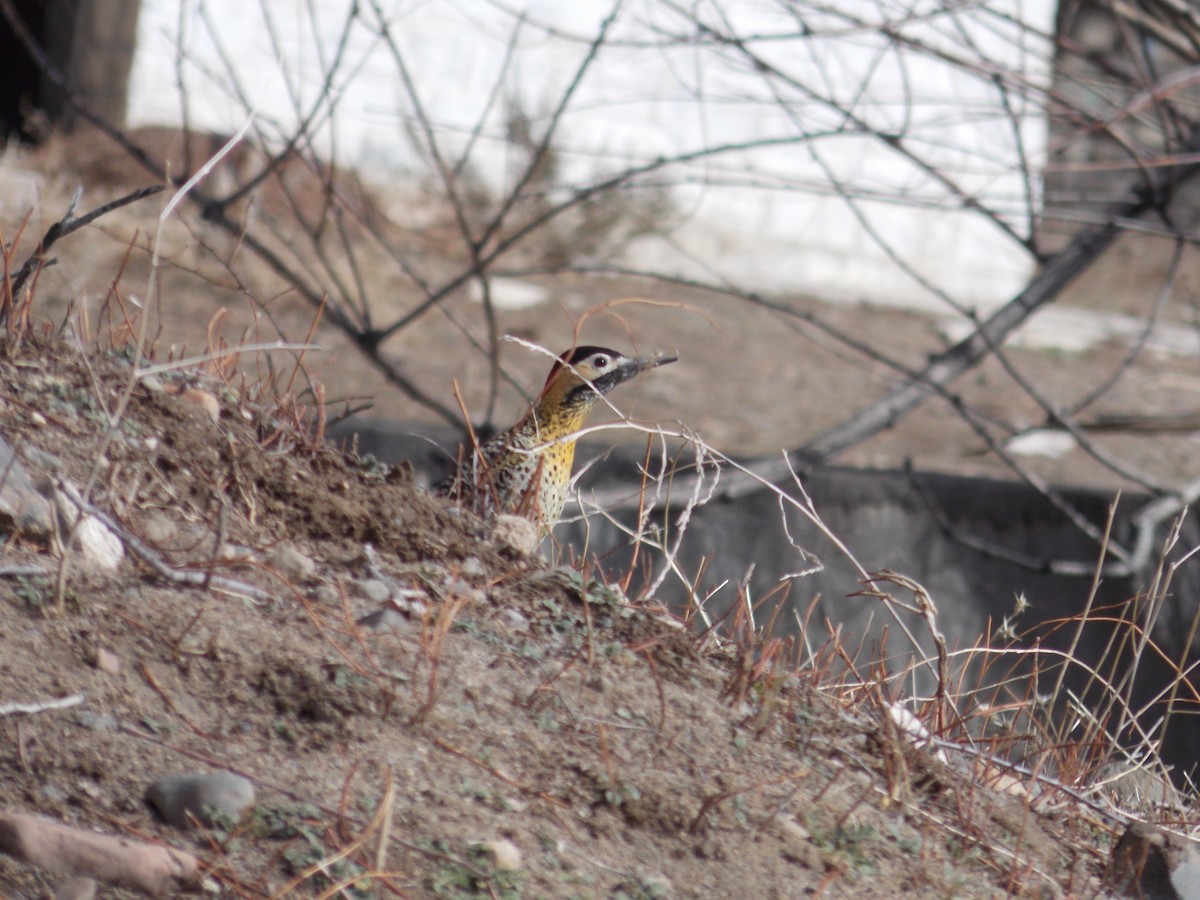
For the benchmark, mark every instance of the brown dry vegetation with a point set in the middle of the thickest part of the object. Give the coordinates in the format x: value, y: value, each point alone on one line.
x: 523, y: 705
x: 751, y: 381
x: 619, y: 751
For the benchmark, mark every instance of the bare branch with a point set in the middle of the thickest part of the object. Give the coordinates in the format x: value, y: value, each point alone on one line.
x: 67, y: 225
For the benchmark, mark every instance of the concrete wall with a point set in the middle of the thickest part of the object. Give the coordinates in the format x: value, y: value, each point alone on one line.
x: 919, y: 524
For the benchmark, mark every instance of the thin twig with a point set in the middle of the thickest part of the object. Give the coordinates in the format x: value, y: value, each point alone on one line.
x: 155, y: 562
x: 68, y: 224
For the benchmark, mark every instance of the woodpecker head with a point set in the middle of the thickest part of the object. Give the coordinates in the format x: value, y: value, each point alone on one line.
x: 581, y: 376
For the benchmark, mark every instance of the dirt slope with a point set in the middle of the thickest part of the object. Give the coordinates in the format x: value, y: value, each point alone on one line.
x: 506, y: 703
x: 511, y: 730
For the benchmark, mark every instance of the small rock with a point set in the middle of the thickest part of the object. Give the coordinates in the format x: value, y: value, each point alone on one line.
x: 202, y: 400
x: 1186, y: 877
x: 327, y: 595
x: 513, y: 619
x: 153, y: 384
x: 914, y: 729
x: 93, y: 539
x: 472, y: 567
x: 291, y: 563
x: 1009, y: 784
x: 797, y: 843
x: 456, y: 587
x: 386, y: 619
x: 108, y: 662
x: 98, y: 544
x: 1156, y: 864
x: 516, y: 534
x: 158, y: 528
x: 19, y: 499
x: 375, y: 590
x: 37, y: 419
x: 410, y: 601
x: 206, y: 797
x: 657, y: 885
x: 94, y: 721
x: 41, y: 460
x: 506, y: 857
x: 792, y: 830
x: 235, y: 553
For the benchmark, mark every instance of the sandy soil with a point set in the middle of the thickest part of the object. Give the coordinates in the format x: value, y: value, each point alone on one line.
x: 618, y: 753
x: 522, y: 705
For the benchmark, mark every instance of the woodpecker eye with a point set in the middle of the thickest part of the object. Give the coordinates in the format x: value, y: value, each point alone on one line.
x: 600, y: 361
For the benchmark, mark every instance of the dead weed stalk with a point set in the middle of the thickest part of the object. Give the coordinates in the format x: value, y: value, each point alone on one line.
x: 1019, y: 712
x: 435, y: 627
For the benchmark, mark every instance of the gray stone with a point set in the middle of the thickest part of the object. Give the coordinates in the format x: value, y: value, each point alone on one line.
x: 291, y: 563
x: 235, y: 553
x: 386, y: 619
x: 375, y: 590
x: 108, y: 662
x: 456, y: 587
x: 327, y: 595
x: 41, y: 460
x: 94, y: 721
x: 207, y: 797
x: 516, y: 534
x: 513, y: 620
x: 19, y: 498
x: 158, y: 528
x: 93, y: 540
x: 658, y: 885
x: 505, y: 855
x: 1154, y: 864
x: 472, y: 567
x: 1186, y: 877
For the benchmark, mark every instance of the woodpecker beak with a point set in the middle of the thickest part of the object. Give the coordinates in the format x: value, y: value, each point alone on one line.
x: 643, y: 363
x: 631, y: 368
